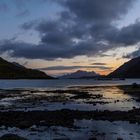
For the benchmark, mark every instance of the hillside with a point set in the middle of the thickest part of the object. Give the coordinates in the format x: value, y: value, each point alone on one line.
x: 130, y: 69
x: 16, y: 71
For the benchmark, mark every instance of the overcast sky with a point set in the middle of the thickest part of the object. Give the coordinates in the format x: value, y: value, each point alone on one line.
x: 60, y: 36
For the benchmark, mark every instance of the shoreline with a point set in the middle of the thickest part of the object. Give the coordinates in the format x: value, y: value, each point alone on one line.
x: 32, y: 122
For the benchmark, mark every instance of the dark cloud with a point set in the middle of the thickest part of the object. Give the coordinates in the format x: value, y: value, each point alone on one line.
x: 126, y: 36
x: 100, y: 64
x: 45, y: 51
x: 84, y: 27
x: 74, y: 68
x: 97, y: 10
x: 29, y: 25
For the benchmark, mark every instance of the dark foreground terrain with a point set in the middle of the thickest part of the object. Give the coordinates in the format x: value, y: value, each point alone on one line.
x: 26, y: 118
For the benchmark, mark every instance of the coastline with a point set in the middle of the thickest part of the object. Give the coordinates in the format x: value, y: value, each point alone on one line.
x: 31, y: 119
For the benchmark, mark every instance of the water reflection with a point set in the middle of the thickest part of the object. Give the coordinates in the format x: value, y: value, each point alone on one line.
x: 74, y: 98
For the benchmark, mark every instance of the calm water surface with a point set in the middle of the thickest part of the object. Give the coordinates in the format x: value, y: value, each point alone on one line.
x: 9, y: 84
x: 43, y: 95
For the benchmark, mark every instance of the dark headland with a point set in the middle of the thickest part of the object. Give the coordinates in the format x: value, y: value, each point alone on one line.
x: 130, y: 69
x: 10, y: 70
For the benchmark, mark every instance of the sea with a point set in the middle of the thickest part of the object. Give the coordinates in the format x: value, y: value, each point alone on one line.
x: 62, y: 83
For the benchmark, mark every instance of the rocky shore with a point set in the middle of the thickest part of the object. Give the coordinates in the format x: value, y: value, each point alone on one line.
x: 63, y: 118
x: 23, y: 110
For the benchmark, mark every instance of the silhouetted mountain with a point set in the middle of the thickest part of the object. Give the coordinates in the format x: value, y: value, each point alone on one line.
x: 80, y: 74
x: 16, y: 71
x: 18, y: 65
x: 130, y: 69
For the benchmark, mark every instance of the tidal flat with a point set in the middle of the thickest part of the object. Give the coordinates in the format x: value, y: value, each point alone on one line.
x: 74, y: 112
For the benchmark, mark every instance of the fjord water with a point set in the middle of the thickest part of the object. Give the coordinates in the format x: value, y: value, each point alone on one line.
x: 62, y: 83
x: 58, y: 94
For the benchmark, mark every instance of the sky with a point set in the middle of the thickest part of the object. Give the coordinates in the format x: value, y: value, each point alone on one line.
x: 62, y: 36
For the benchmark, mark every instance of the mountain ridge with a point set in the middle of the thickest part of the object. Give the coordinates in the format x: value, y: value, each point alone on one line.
x: 79, y: 75
x: 14, y: 70
x: 130, y: 69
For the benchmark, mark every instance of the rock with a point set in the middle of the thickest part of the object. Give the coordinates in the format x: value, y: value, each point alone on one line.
x: 12, y: 137
x: 134, y: 107
x: 135, y: 85
x: 23, y: 124
x: 2, y: 127
x: 93, y: 138
x: 119, y: 138
x: 33, y: 128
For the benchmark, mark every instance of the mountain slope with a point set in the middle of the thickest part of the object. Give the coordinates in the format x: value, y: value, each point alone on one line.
x: 80, y: 74
x: 130, y: 69
x: 16, y: 71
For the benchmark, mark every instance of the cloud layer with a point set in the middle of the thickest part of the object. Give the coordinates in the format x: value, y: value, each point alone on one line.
x: 75, y: 68
x: 83, y: 27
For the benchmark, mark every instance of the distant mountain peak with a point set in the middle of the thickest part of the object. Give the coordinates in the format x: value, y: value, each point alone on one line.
x: 80, y: 74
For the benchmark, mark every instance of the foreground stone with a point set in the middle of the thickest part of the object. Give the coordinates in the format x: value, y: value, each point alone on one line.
x: 11, y: 137
x: 63, y: 118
